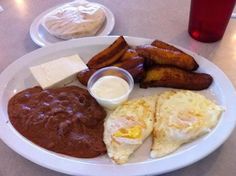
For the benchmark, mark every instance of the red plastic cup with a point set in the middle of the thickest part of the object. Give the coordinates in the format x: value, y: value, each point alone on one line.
x: 209, y: 18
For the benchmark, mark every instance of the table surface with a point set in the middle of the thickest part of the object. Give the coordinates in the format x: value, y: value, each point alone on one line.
x: 166, y: 20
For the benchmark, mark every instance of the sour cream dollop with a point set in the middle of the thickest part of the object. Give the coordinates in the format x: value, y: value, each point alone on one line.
x: 110, y: 91
x: 110, y: 87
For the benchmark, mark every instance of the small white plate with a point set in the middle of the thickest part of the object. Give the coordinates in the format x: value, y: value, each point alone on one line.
x: 17, y: 77
x: 42, y: 38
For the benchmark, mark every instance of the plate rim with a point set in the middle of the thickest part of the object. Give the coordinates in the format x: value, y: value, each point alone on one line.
x: 34, y: 27
x: 128, y: 169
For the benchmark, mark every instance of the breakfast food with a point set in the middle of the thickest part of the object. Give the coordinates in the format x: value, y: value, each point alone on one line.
x: 181, y: 117
x: 127, y: 127
x: 155, y: 65
x: 110, y: 87
x: 65, y: 120
x: 167, y: 57
x: 76, y: 19
x: 163, y: 45
x: 129, y: 63
x: 58, y: 72
x: 109, y: 55
x: 134, y: 65
x: 175, y: 78
x: 83, y: 76
x: 110, y: 91
x: 129, y: 54
x: 68, y: 120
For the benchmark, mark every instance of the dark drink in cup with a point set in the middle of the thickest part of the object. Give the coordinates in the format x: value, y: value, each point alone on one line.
x: 209, y: 18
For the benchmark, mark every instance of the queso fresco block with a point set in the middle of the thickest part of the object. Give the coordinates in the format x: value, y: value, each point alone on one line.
x: 58, y: 72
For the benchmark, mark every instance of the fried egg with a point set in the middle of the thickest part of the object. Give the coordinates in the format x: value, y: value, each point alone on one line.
x: 128, y: 126
x: 181, y: 117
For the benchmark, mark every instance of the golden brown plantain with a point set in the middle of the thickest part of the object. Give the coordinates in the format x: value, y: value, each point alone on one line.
x: 130, y: 63
x: 167, y: 57
x: 163, y: 45
x: 130, y: 53
x: 134, y: 66
x: 175, y: 78
x: 109, y: 55
x: 137, y: 72
x: 83, y: 76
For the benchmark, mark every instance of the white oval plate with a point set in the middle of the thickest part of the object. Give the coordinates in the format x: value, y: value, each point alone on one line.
x: 17, y: 77
x: 42, y: 38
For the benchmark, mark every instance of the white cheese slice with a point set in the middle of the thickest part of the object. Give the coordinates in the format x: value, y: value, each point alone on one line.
x: 58, y: 72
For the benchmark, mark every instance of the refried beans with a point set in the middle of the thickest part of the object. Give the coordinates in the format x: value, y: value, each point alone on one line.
x: 65, y: 120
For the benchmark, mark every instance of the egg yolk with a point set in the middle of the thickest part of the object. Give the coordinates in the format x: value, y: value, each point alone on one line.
x: 131, y: 133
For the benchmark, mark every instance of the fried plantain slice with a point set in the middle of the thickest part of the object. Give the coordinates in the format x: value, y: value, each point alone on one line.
x: 134, y: 66
x: 109, y: 55
x: 129, y: 54
x: 175, y: 78
x: 83, y: 76
x: 137, y: 72
x: 130, y: 63
x: 167, y: 57
x: 163, y: 45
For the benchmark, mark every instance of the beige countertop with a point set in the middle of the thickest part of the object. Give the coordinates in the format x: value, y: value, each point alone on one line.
x: 166, y: 20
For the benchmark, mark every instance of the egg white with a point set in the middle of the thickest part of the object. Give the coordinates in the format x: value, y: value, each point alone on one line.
x: 181, y: 116
x: 133, y: 113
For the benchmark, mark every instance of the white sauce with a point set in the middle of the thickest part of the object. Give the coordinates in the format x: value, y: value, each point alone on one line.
x: 110, y: 87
